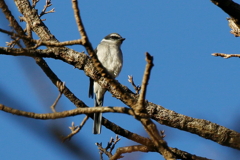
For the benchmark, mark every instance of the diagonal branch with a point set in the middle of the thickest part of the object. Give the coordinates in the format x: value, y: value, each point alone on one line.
x: 230, y: 7
x: 149, y: 126
x: 80, y: 26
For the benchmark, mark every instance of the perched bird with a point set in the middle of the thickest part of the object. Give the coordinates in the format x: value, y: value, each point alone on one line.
x: 110, y: 55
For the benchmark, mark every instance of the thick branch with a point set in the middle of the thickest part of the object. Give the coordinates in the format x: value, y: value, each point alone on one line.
x: 230, y: 7
x: 129, y: 149
x: 200, y: 127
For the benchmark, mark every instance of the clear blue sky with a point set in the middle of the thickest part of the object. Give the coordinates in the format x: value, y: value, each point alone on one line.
x: 181, y: 35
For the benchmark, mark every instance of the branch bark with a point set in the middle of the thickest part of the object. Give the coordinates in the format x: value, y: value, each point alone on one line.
x: 230, y: 7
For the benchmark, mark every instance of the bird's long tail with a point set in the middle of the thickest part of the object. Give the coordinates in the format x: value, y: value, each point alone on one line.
x: 97, y: 117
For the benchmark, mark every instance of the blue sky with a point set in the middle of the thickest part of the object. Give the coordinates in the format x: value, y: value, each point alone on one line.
x: 181, y: 35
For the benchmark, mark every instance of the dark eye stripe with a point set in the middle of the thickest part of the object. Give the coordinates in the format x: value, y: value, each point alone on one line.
x: 114, y: 37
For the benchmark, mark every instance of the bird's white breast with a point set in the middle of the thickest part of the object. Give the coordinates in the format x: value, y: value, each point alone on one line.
x: 110, y: 55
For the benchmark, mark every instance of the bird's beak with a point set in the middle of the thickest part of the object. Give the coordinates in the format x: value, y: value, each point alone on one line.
x: 122, y: 39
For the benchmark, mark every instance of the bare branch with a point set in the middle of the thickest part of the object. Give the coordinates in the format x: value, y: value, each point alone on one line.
x: 15, y: 41
x: 114, y: 142
x: 111, y: 144
x: 130, y: 149
x: 146, y: 76
x: 48, y: 4
x: 141, y: 148
x: 13, y: 22
x: 149, y: 126
x: 185, y: 155
x: 61, y: 87
x: 224, y: 55
x: 75, y: 129
x: 45, y: 43
x: 201, y: 127
x: 230, y: 7
x: 102, y: 150
x: 136, y: 88
x: 68, y: 113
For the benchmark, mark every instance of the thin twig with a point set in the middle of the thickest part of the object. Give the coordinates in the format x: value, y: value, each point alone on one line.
x: 75, y: 129
x: 101, y: 150
x: 79, y: 22
x: 60, y: 87
x: 110, y: 145
x: 48, y: 4
x: 45, y: 43
x: 114, y: 143
x: 13, y: 22
x: 136, y: 88
x: 15, y: 41
x: 224, y: 55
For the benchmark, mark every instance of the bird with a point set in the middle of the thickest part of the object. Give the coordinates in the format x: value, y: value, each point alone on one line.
x: 110, y: 55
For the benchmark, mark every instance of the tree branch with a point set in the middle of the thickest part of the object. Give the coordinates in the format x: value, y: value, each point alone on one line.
x: 149, y: 126
x: 130, y: 149
x: 224, y: 55
x: 200, y: 127
x: 73, y: 112
x: 75, y: 129
x: 230, y: 7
